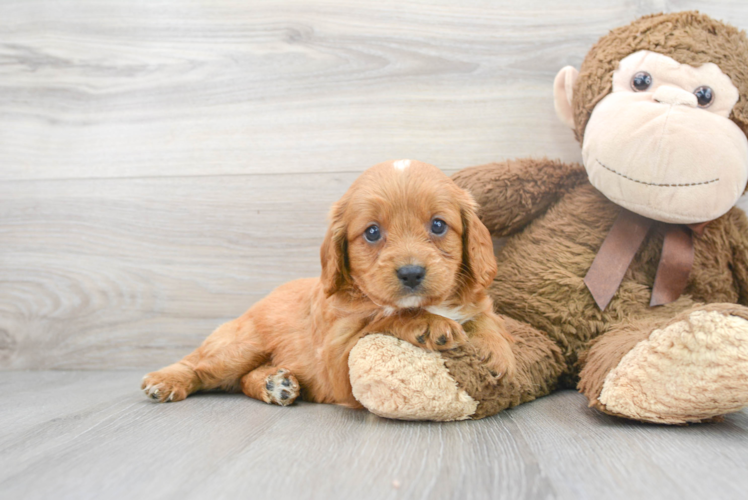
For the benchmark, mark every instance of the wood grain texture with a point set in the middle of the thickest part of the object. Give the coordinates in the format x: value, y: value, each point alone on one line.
x: 80, y: 435
x: 132, y: 272
x: 122, y: 88
x: 164, y: 164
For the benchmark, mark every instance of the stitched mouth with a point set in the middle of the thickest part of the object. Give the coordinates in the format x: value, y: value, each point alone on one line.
x: 654, y: 183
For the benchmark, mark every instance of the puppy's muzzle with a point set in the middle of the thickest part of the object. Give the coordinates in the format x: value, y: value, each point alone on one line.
x: 411, y: 276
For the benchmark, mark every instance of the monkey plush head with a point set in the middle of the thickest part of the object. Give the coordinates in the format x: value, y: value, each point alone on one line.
x: 661, y: 109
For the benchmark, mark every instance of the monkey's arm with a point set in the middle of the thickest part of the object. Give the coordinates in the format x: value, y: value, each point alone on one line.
x: 514, y: 192
x: 739, y: 240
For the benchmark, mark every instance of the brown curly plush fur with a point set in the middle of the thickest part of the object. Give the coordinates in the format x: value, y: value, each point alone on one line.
x: 556, y: 221
x: 540, y: 282
x: 539, y: 364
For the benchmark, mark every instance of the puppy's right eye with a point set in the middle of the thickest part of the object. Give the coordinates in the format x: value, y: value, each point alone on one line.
x: 438, y: 227
x: 372, y: 234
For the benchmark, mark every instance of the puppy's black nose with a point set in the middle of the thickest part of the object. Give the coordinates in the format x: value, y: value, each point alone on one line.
x: 411, y: 276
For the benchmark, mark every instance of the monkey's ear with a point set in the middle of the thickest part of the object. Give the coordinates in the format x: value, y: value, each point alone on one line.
x: 563, y: 94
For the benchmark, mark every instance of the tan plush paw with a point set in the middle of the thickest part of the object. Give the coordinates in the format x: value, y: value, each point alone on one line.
x: 395, y: 379
x: 690, y: 371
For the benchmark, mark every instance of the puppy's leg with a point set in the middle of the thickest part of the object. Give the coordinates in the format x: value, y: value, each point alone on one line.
x: 234, y: 349
x: 488, y: 333
x: 271, y: 384
x: 173, y: 383
x: 422, y: 329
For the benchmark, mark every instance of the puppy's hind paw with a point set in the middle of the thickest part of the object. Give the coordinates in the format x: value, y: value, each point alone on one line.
x: 281, y: 388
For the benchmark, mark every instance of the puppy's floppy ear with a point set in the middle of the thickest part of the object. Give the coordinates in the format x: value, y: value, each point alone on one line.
x: 478, y: 261
x: 334, y: 252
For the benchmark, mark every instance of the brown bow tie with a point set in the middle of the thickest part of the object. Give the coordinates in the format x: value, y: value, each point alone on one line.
x: 620, y: 246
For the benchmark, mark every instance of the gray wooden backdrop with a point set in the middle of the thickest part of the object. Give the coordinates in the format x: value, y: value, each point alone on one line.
x: 165, y: 164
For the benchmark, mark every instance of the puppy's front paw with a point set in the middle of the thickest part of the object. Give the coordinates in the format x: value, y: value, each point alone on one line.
x: 166, y: 385
x: 435, y: 333
x: 498, y: 366
x: 281, y: 388
x: 497, y: 356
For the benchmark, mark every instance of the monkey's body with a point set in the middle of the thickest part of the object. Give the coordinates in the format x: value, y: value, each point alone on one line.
x: 540, y: 281
x: 660, y: 108
x: 545, y: 265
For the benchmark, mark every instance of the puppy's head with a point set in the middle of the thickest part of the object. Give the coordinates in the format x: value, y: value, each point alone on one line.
x: 406, y: 236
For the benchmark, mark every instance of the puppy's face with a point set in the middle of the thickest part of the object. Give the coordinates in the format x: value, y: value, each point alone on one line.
x: 406, y: 236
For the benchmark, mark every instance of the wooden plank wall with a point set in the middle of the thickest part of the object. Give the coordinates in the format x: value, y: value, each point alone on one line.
x: 164, y: 164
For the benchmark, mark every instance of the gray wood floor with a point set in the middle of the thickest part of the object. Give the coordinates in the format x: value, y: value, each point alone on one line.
x: 81, y: 435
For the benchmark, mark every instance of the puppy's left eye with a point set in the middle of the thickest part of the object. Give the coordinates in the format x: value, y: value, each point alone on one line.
x: 438, y: 227
x: 372, y: 233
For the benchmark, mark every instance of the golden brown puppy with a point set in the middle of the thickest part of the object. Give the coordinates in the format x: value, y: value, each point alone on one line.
x: 405, y: 254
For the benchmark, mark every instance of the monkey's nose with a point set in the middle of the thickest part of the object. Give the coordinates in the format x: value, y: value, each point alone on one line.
x: 411, y: 276
x: 668, y: 94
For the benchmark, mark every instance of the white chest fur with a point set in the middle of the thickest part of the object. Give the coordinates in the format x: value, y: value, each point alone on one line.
x: 457, y: 314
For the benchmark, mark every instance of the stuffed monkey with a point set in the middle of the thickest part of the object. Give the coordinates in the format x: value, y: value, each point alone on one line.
x: 626, y: 276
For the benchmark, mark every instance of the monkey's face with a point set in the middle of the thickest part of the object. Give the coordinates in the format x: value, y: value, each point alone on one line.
x: 661, y: 144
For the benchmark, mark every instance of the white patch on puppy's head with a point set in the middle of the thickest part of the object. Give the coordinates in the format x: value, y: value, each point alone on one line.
x: 401, y: 164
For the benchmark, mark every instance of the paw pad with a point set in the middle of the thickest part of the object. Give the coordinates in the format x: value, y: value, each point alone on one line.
x: 281, y: 388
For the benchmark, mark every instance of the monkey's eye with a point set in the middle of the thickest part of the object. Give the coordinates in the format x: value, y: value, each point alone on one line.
x: 704, y: 95
x: 641, y: 81
x: 372, y: 234
x: 438, y: 227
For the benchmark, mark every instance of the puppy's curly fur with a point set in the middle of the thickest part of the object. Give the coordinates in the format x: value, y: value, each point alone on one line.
x: 299, y: 337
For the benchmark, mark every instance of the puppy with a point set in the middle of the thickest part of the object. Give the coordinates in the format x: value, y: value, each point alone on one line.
x: 405, y: 254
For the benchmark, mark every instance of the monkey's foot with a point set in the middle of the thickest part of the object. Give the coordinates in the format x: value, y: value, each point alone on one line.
x: 690, y: 371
